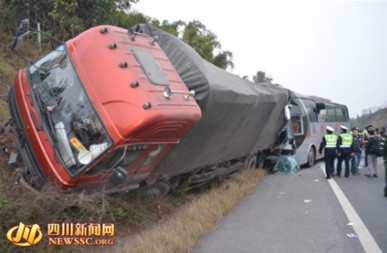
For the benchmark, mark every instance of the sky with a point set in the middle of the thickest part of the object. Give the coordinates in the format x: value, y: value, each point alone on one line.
x: 331, y: 49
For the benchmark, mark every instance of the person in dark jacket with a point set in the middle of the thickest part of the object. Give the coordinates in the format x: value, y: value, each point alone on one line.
x: 372, y: 148
x: 365, y: 139
x: 328, y: 143
x: 383, y: 136
x: 357, y: 148
x: 385, y: 164
x: 383, y: 133
x: 344, y: 144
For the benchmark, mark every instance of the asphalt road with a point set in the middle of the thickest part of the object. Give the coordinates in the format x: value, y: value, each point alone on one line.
x: 301, y: 213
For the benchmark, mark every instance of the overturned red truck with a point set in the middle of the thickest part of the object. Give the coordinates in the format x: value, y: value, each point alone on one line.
x: 118, y: 109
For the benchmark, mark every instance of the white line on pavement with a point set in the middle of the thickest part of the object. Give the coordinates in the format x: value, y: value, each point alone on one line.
x: 367, y: 241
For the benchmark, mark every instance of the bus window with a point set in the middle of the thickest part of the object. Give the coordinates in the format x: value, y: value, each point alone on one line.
x: 331, y: 114
x: 340, y: 115
x: 297, y: 125
x: 322, y: 115
x: 343, y: 112
x: 346, y: 114
x: 311, y: 109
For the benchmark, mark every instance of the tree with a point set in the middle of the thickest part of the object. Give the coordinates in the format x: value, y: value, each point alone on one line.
x: 170, y: 27
x: 224, y: 60
x: 64, y: 18
x: 65, y: 23
x: 123, y: 19
x: 97, y: 12
x: 202, y: 40
x: 259, y: 77
x: 12, y: 11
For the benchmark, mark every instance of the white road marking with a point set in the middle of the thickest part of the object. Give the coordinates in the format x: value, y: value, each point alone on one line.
x: 367, y: 241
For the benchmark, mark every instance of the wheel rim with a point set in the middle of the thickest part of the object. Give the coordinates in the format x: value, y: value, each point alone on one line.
x: 251, y: 163
x: 158, y: 189
x: 260, y: 161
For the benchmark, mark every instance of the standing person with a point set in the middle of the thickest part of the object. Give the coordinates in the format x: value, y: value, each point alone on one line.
x: 344, y: 144
x: 385, y: 164
x: 357, y: 148
x: 383, y: 133
x: 365, y: 132
x: 383, y: 136
x: 372, y: 148
x: 365, y: 139
x: 328, y: 142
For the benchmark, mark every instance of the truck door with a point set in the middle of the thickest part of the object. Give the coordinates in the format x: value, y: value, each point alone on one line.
x: 137, y: 161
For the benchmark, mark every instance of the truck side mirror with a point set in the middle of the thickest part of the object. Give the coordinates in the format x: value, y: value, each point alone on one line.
x: 23, y: 26
x: 118, y: 176
x: 287, y: 112
x: 22, y: 31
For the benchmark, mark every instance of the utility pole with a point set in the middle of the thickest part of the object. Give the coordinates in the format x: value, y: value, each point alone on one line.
x: 39, y: 37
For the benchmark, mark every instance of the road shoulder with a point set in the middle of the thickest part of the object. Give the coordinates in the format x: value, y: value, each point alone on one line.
x: 285, y: 213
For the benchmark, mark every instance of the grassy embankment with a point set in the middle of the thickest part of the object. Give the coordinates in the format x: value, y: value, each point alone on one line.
x: 189, y: 223
x: 143, y: 224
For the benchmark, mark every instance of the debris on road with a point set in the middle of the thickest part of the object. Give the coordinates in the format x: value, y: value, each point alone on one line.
x: 286, y: 165
x: 352, y: 235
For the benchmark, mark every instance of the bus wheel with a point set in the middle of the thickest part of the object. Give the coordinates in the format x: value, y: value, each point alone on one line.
x: 311, y: 157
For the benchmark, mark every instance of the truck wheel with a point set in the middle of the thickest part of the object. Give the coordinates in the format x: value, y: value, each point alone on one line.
x: 260, y: 161
x: 250, y: 162
x: 311, y: 157
x: 158, y: 189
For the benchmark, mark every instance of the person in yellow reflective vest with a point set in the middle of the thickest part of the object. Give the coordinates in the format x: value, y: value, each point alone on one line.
x: 328, y: 143
x: 344, y: 147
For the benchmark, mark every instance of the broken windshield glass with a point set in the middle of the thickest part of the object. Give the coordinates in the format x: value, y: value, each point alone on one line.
x: 76, y: 131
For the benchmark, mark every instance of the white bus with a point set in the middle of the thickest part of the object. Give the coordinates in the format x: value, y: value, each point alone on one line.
x: 309, y: 117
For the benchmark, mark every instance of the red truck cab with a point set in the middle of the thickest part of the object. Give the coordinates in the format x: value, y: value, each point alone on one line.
x: 104, y: 104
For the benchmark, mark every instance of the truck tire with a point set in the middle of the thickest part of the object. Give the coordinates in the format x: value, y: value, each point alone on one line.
x: 260, y: 161
x: 157, y: 189
x: 250, y: 162
x: 311, y: 157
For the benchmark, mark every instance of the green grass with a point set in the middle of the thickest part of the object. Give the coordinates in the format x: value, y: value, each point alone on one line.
x: 7, y: 70
x: 4, y: 112
x: 129, y: 212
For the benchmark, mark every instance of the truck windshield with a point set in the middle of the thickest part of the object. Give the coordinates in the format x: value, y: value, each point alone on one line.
x: 74, y: 128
